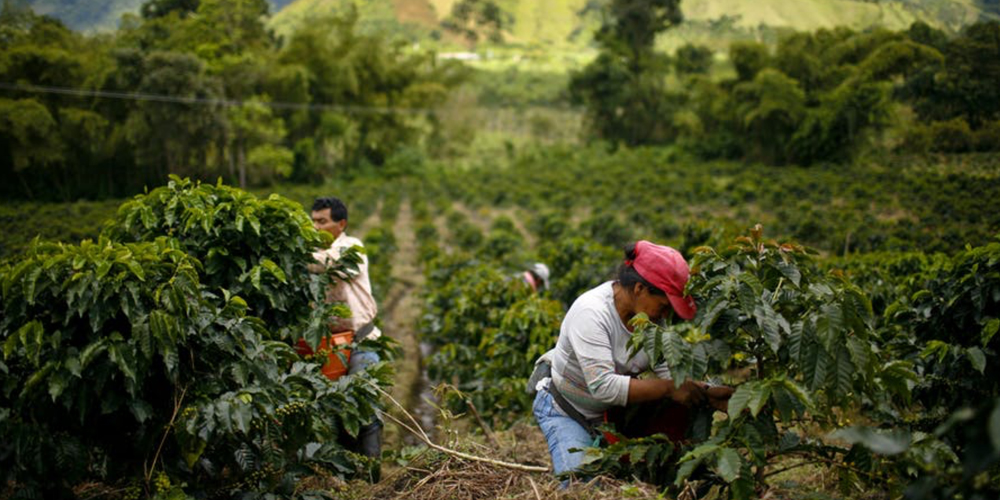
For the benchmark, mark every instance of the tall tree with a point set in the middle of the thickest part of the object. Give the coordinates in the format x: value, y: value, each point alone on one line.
x: 631, y: 26
x: 28, y: 140
x: 153, y: 9
x: 373, y: 82
x: 51, y: 133
x: 971, y: 80
x: 771, y: 108
x: 623, y: 88
x: 255, y: 139
x: 837, y: 128
x: 748, y: 59
x: 176, y: 137
x: 692, y: 59
x: 476, y: 18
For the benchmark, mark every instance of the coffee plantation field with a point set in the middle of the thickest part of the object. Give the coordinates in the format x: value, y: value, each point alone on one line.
x: 858, y: 322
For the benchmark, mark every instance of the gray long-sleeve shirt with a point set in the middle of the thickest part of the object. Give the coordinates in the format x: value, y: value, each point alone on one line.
x: 590, y: 363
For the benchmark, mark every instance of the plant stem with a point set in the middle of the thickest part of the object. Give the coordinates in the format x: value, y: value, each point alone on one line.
x: 790, y: 467
x: 486, y: 428
x: 839, y: 464
x: 166, y: 432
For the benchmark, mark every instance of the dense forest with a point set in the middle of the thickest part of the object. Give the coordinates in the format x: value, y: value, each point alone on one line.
x: 201, y: 89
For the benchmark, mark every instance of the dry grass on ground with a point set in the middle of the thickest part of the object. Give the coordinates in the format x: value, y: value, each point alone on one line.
x: 428, y: 474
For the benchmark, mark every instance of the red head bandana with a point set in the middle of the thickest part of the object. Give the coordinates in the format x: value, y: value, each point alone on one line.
x: 665, y: 268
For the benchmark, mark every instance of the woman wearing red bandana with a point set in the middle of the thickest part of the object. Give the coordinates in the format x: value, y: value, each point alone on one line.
x: 591, y: 370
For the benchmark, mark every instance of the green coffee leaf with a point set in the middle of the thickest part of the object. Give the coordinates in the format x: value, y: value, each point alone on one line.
x: 759, y: 397
x: 141, y: 410
x: 977, y: 358
x: 243, y: 415
x: 789, y: 440
x: 846, y: 371
x: 57, y: 384
x: 796, y: 391
x: 790, y: 271
x: 686, y: 469
x: 989, y: 330
x: 883, y: 442
x: 274, y: 270
x: 741, y: 398
x: 767, y: 321
x: 936, y: 348
x: 38, y: 376
x: 31, y: 282
x: 729, y: 464
x: 993, y: 426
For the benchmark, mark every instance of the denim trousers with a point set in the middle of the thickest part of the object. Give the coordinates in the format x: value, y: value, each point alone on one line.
x: 369, y: 440
x: 562, y: 433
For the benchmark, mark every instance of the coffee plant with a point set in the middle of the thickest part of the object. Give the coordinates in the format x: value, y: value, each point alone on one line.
x: 950, y: 320
x: 806, y: 341
x: 945, y: 321
x: 137, y: 365
x: 488, y: 329
x: 838, y: 209
x: 577, y: 265
x: 257, y: 249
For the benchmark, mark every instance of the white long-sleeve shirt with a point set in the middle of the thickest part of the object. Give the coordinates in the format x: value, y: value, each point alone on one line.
x: 356, y: 293
x: 591, y: 367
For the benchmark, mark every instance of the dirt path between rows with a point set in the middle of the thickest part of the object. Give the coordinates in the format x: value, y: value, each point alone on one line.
x: 400, y: 315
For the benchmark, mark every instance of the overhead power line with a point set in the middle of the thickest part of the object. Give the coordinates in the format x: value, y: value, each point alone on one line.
x: 207, y: 101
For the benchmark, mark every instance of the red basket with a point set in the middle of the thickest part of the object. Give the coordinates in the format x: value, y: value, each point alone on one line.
x: 334, y: 368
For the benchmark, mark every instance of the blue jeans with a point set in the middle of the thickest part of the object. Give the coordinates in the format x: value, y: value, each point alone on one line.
x: 361, y: 359
x: 561, y: 432
x: 369, y: 440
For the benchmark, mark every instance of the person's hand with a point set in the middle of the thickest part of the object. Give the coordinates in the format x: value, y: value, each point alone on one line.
x: 690, y: 393
x: 718, y: 396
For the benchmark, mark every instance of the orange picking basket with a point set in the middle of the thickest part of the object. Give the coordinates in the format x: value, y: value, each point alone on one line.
x: 334, y: 368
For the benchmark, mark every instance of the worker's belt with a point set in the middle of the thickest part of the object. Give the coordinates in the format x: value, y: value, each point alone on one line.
x: 364, y: 331
x: 589, y: 424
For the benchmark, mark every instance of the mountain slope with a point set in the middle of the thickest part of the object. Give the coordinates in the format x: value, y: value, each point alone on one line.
x: 814, y: 14
x: 559, y: 23
x: 554, y: 22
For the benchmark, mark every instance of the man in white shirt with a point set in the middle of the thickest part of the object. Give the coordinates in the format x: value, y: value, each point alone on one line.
x: 330, y: 215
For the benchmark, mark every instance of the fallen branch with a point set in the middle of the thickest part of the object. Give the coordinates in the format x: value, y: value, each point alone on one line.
x: 419, y: 432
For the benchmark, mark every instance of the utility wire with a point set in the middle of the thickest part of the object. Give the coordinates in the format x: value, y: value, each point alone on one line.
x: 207, y: 101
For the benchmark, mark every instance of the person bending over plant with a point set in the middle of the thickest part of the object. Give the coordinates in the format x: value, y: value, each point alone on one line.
x: 592, y: 371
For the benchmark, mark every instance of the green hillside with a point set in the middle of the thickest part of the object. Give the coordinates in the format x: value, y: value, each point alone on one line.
x: 566, y: 25
x: 556, y: 21
x: 814, y: 14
